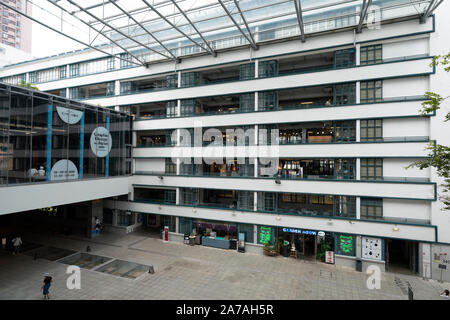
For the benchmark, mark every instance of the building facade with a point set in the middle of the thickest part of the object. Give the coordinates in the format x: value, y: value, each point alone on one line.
x: 15, y: 29
x: 305, y: 142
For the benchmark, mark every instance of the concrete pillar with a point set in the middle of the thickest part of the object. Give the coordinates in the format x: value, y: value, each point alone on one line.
x: 255, y: 234
x: 358, y: 207
x: 358, y: 54
x: 116, y: 87
x: 358, y: 246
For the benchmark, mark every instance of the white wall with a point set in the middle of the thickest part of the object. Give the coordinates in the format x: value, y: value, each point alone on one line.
x: 439, y: 83
x: 412, y: 86
x: 395, y: 167
x: 403, y: 48
x: 406, y: 127
x: 412, y: 209
x: 154, y: 165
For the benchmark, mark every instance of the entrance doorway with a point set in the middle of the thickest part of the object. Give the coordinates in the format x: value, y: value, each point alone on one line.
x: 402, y: 256
x: 306, y: 245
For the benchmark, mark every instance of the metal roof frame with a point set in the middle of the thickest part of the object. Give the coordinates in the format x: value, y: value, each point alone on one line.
x: 251, y: 39
x: 364, y: 7
x: 178, y: 29
x: 118, y: 31
x: 429, y: 11
x: 211, y: 50
x: 65, y: 35
x: 140, y: 25
x: 298, y: 11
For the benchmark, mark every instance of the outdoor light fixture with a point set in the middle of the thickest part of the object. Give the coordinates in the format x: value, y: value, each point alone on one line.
x: 330, y: 222
x: 161, y: 177
x: 277, y: 181
x: 278, y: 218
x: 395, y: 228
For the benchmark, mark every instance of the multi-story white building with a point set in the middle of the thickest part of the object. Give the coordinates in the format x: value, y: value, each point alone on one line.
x: 341, y: 99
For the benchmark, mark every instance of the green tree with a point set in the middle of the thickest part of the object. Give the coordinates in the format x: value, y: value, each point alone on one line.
x: 27, y: 85
x: 439, y: 155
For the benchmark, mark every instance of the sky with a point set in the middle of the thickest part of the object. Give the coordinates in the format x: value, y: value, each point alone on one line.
x: 46, y: 42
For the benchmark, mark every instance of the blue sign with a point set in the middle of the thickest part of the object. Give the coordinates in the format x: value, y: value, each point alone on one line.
x: 292, y: 230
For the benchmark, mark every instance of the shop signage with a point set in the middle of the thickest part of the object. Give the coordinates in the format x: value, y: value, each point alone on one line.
x: 321, y: 234
x: 68, y: 115
x: 265, y: 234
x: 101, y: 142
x: 292, y: 230
x: 64, y: 170
x: 329, y: 257
x: 345, y: 244
x: 371, y: 248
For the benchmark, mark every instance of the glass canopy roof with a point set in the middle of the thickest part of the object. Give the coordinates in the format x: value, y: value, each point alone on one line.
x: 145, y: 31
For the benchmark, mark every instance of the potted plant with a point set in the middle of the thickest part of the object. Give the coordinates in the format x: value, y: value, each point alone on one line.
x: 270, y: 250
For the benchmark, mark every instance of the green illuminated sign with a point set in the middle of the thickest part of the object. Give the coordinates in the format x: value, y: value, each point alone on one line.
x: 265, y: 234
x: 346, y: 244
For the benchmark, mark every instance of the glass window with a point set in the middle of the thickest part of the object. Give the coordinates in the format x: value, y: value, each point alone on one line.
x: 245, y: 200
x: 267, y: 100
x: 247, y: 102
x: 371, y: 54
x: 268, y: 69
x: 172, y: 81
x: 371, y: 91
x: 170, y: 221
x: 344, y: 93
x: 74, y: 70
x: 190, y: 79
x: 247, y: 229
x: 125, y: 60
x: 124, y: 218
x: 184, y: 225
x: 372, y: 130
x: 371, y: 169
x: 344, y: 131
x: 247, y: 71
x: 344, y: 58
x: 345, y: 206
x: 62, y: 72
x: 110, y: 63
x: 110, y: 88
x: 171, y: 109
x: 371, y: 208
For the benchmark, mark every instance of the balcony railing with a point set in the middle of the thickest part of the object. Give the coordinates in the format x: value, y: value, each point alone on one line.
x: 283, y: 108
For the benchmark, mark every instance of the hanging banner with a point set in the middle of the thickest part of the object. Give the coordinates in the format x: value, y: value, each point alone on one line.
x: 101, y: 142
x: 68, y: 115
x: 64, y: 170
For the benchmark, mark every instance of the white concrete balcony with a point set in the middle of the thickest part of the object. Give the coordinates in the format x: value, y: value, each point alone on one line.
x: 419, y: 66
x: 362, y: 111
x: 351, y: 226
x: 382, y: 189
x: 26, y: 197
x: 325, y: 150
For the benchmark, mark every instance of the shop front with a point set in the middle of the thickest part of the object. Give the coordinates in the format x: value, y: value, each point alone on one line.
x: 215, y: 234
x: 304, y: 244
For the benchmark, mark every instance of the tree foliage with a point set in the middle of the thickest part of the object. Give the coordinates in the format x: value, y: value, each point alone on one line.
x: 27, y: 85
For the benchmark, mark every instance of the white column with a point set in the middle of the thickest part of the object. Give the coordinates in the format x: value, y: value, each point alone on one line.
x: 256, y: 68
x: 358, y: 207
x: 177, y: 196
x: 179, y: 79
x: 358, y: 54
x: 116, y: 87
x: 256, y: 101
x: 358, y: 92
x: 358, y: 130
x: 178, y: 108
x: 255, y: 201
x: 255, y: 234
x: 177, y: 222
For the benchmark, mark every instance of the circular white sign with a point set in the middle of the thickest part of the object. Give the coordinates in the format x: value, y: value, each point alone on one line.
x: 321, y: 234
x: 64, y: 170
x: 68, y: 115
x: 101, y: 142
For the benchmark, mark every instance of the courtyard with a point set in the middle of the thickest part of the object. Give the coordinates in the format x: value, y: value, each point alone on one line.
x: 117, y: 267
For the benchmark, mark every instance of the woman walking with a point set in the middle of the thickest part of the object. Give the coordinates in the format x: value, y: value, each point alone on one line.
x: 46, y: 286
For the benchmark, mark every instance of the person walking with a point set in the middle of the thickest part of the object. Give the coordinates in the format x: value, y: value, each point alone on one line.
x: 445, y: 294
x: 17, y: 242
x: 98, y: 225
x: 46, y: 286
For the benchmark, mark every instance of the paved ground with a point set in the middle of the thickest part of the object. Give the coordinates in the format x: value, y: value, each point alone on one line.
x: 196, y: 272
